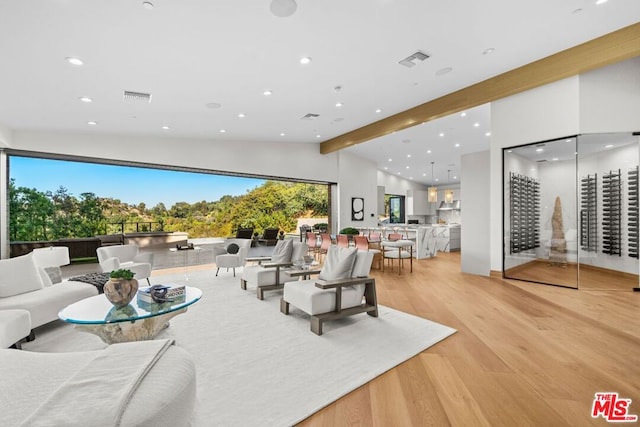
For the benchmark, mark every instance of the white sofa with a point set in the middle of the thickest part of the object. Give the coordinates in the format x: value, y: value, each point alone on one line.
x: 24, y: 285
x: 144, y: 383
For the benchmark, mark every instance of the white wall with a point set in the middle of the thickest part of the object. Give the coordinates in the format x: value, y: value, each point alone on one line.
x: 540, y: 114
x: 356, y: 178
x: 290, y: 160
x: 5, y: 136
x: 394, y: 184
x: 610, y: 98
x: 474, y: 239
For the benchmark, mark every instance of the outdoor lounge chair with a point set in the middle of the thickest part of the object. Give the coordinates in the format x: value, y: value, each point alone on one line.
x: 269, y: 237
x: 244, y: 233
x: 343, y: 289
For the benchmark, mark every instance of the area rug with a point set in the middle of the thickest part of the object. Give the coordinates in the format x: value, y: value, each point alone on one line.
x: 256, y: 366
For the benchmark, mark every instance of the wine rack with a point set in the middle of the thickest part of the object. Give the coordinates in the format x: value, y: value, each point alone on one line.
x: 589, y: 213
x: 612, y: 213
x: 525, y: 213
x: 633, y: 213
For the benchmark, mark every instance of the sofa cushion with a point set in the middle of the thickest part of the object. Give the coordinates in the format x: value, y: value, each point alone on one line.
x: 338, y: 263
x: 282, y: 252
x: 19, y: 275
x: 54, y: 273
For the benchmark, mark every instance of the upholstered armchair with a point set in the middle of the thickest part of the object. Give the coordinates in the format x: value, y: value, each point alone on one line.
x: 127, y: 257
x: 269, y: 275
x: 343, y: 289
x: 232, y: 253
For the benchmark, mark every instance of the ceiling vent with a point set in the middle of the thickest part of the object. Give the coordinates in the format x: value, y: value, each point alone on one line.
x: 310, y: 116
x: 409, y: 60
x: 137, y: 96
x: 541, y: 161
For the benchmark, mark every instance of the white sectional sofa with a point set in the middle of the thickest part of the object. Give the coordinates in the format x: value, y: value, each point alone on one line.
x: 27, y: 286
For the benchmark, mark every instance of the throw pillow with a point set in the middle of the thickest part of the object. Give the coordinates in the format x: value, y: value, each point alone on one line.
x: 338, y: 263
x: 19, y: 275
x: 233, y: 248
x: 46, y: 280
x: 282, y: 251
x: 54, y: 273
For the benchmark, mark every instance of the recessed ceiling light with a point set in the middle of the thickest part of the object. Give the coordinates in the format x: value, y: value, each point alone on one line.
x: 267, y: 92
x: 487, y: 134
x: 455, y: 177
x: 437, y: 179
x: 306, y: 60
x: 488, y: 51
x: 74, y: 61
x: 378, y: 111
x: 608, y: 146
x: 476, y: 124
x: 390, y: 159
x: 147, y: 5
x: 318, y: 136
x: 223, y: 131
x: 463, y: 114
x: 443, y: 71
x: 282, y: 134
x: 441, y: 133
x: 166, y: 127
x: 457, y: 145
x: 555, y: 159
x: 408, y: 156
x: 85, y: 99
x: 213, y: 105
x: 601, y: 1
x: 283, y: 8
x: 338, y: 104
x: 509, y: 151
x: 568, y: 139
x: 428, y: 151
x: 539, y: 150
x: 424, y: 174
x: 407, y: 167
x: 92, y: 123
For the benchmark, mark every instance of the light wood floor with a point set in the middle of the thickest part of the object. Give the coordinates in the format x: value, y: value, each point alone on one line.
x: 524, y: 354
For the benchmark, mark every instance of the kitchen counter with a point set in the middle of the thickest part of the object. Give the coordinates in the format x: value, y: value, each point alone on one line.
x: 437, y: 237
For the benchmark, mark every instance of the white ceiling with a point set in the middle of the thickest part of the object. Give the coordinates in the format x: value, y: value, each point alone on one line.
x: 190, y: 53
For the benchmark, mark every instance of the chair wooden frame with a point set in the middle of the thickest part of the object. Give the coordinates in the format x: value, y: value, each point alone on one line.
x: 370, y: 306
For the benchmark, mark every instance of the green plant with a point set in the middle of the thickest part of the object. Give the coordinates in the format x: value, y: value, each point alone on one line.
x: 321, y: 225
x: 122, y: 274
x: 350, y: 230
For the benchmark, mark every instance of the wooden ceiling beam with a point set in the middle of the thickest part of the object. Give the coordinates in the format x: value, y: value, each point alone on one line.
x: 611, y: 48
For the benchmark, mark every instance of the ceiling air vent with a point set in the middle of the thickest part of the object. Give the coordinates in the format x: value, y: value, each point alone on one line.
x: 310, y: 116
x: 137, y: 96
x: 408, y: 61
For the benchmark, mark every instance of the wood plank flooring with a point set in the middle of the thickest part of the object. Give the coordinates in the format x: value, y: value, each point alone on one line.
x: 524, y: 354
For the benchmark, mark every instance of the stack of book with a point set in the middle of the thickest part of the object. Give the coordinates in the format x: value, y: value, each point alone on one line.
x: 175, y: 294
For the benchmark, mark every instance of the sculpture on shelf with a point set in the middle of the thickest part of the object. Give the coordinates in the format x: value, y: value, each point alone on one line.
x: 558, y: 250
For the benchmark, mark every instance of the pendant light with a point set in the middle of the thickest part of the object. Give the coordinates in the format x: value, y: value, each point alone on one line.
x: 432, y: 192
x: 448, y: 194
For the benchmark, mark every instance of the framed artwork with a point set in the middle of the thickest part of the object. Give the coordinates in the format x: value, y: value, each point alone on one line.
x: 357, y: 209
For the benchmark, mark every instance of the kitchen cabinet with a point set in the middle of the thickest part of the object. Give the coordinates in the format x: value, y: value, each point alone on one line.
x: 416, y: 203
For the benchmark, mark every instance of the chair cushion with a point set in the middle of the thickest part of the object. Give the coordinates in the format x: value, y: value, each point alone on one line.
x: 19, y: 275
x: 257, y: 275
x: 282, y: 252
x: 362, y: 266
x: 54, y: 273
x: 228, y: 260
x: 313, y: 300
x: 46, y: 280
x: 232, y: 248
x: 338, y: 263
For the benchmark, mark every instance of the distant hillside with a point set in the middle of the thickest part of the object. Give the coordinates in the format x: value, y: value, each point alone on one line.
x: 36, y: 215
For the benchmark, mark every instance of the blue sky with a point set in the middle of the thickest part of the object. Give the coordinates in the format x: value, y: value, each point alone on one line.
x: 130, y: 185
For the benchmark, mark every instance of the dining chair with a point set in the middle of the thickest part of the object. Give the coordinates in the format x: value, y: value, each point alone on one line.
x: 342, y: 240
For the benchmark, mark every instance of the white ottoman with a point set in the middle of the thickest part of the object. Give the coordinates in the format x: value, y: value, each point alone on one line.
x: 14, y: 326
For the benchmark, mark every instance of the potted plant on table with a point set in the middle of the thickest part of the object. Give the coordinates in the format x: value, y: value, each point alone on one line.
x: 121, y: 287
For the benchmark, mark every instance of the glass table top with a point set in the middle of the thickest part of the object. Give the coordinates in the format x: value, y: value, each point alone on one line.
x: 98, y: 310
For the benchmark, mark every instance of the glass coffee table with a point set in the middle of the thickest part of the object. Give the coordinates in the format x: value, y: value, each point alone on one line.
x: 137, y: 321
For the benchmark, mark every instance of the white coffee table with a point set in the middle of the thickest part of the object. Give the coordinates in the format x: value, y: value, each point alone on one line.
x: 134, y: 322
